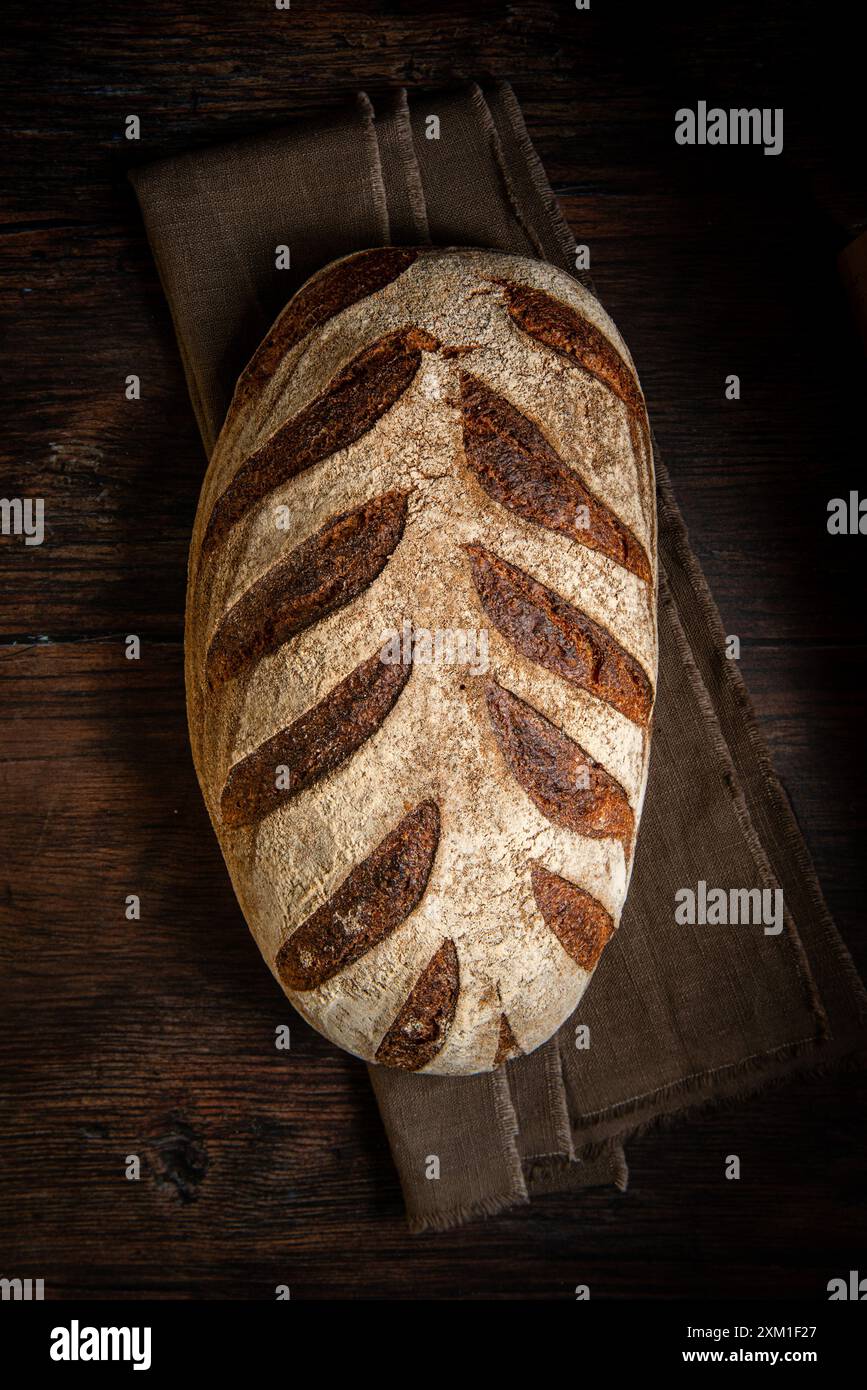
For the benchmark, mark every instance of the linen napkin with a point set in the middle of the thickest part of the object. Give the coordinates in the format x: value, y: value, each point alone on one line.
x: 676, y: 1016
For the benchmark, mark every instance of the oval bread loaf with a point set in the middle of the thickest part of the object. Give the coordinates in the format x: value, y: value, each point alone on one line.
x: 421, y: 650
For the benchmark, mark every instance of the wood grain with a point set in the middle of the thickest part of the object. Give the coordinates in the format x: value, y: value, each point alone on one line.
x: 156, y: 1037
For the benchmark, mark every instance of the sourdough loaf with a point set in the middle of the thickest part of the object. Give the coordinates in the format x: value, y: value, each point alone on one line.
x: 421, y: 650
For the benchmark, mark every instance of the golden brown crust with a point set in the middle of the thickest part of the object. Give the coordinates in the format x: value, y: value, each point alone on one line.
x: 560, y: 327
x: 314, y: 745
x: 580, y: 923
x: 323, y: 574
x: 350, y: 406
x: 327, y: 294
x: 420, y: 1030
x: 544, y: 627
x: 517, y: 466
x: 507, y: 1043
x: 558, y: 776
x: 367, y: 907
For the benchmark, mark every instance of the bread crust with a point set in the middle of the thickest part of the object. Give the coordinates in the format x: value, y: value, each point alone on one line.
x: 421, y: 650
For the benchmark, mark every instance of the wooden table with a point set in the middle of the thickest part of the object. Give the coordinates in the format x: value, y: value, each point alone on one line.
x: 156, y: 1037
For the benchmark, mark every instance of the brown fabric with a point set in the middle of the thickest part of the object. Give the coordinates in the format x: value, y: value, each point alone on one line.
x: 677, y: 1016
x: 215, y: 218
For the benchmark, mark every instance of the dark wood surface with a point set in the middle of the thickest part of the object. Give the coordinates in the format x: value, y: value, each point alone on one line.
x: 156, y: 1037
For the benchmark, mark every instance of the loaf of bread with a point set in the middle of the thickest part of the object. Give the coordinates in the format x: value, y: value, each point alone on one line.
x: 421, y: 650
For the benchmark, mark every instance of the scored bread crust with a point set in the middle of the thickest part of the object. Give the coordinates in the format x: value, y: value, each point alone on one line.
x: 431, y: 853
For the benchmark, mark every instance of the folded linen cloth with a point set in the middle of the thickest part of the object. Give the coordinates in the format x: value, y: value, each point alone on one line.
x: 676, y: 1015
